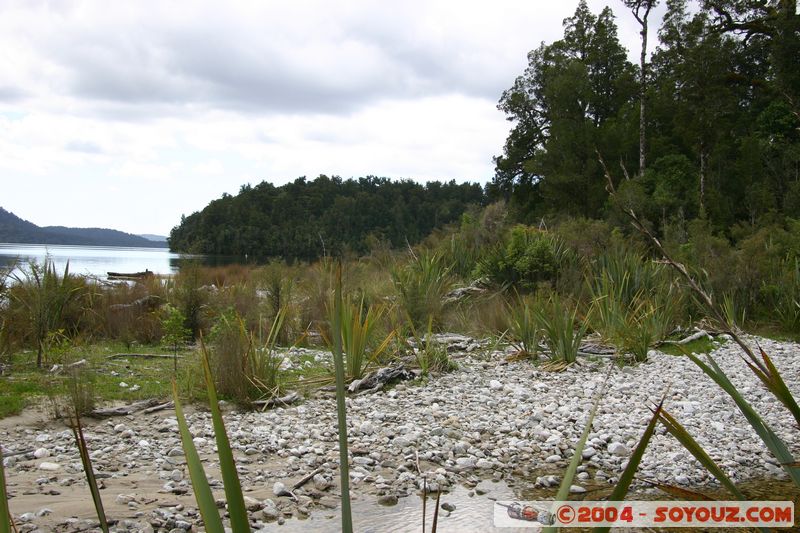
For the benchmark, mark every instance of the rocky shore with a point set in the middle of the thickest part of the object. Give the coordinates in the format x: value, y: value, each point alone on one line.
x: 490, y: 419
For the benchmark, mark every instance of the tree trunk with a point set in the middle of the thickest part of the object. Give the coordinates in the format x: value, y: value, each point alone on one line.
x: 703, y: 165
x: 642, y: 90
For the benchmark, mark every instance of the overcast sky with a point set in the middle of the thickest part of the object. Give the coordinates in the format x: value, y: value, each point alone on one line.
x: 127, y: 114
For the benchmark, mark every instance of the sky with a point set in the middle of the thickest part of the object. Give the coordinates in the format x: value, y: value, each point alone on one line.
x: 130, y: 114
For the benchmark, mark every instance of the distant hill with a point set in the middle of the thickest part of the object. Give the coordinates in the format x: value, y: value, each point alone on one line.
x: 306, y: 219
x: 15, y: 229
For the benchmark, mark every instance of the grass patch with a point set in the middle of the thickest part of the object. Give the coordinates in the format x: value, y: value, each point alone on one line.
x: 704, y: 345
x: 17, y: 392
x: 24, y: 385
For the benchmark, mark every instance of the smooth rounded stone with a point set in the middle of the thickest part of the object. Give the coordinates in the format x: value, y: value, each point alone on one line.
x: 388, y: 499
x: 252, y: 504
x: 41, y: 453
x: 176, y: 475
x: 401, y: 442
x: 279, y: 489
x: 484, y: 464
x: 449, y: 507
x: 44, y: 512
x: 26, y: 517
x: 588, y: 452
x: 495, y: 385
x: 199, y: 441
x: 175, y: 452
x: 576, y: 489
x: 119, y: 428
x: 143, y: 443
x: 49, y: 467
x: 124, y: 499
x: 320, y: 483
x: 553, y: 459
x: 618, y: 449
x: 465, y: 462
x: 366, y: 428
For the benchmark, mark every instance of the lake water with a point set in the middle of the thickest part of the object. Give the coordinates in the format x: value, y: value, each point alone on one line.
x: 95, y: 260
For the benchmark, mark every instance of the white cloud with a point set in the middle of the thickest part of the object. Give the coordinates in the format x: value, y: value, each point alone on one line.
x: 128, y: 114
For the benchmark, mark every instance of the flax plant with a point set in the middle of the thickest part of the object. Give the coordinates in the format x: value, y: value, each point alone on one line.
x: 562, y: 331
x: 523, y: 329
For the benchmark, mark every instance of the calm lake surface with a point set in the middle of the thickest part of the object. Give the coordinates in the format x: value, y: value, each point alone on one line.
x: 96, y: 260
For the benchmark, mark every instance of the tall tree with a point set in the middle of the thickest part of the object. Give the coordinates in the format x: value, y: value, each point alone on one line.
x: 568, y: 102
x: 641, y: 11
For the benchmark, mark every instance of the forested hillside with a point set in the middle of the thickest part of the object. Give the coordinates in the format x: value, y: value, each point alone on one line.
x: 305, y: 219
x: 721, y: 128
x: 17, y: 230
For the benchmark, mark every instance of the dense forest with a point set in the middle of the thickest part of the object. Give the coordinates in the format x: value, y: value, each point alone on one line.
x: 307, y: 219
x: 708, y: 128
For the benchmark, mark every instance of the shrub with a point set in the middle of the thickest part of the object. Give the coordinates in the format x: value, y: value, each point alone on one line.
x: 245, y: 370
x: 527, y: 258
x: 45, y: 300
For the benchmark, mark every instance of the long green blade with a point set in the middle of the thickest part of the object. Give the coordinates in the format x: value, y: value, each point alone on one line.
x: 5, y: 514
x: 779, y: 388
x: 569, y: 475
x: 625, y: 480
x: 341, y: 411
x: 230, y: 477
x: 202, y: 490
x: 77, y: 430
x: 775, y: 445
x: 679, y: 432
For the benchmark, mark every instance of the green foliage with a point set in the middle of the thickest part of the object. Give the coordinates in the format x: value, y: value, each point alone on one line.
x: 522, y: 327
x: 634, y: 303
x: 421, y: 286
x: 5, y: 514
x: 360, y: 330
x: 562, y: 331
x: 431, y: 356
x: 175, y: 332
x: 45, y: 299
x: 325, y: 216
x: 528, y: 258
x: 245, y: 369
x: 341, y: 408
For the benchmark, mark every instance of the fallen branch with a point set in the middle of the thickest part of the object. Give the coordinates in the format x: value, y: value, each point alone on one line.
x: 702, y: 334
x: 168, y: 405
x: 307, y: 478
x: 125, y: 409
x: 277, y: 402
x: 3, y: 455
x: 144, y: 356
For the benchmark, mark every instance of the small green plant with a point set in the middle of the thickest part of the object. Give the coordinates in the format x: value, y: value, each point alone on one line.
x: 88, y: 470
x: 359, y: 331
x: 45, y: 297
x: 431, y: 356
x: 421, y: 286
x: 562, y: 330
x: 523, y: 330
x: 245, y: 369
x: 175, y: 331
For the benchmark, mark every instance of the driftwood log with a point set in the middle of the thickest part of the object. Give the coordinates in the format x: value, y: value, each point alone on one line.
x: 289, y: 399
x: 127, y: 409
x: 143, y: 356
x: 146, y: 303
